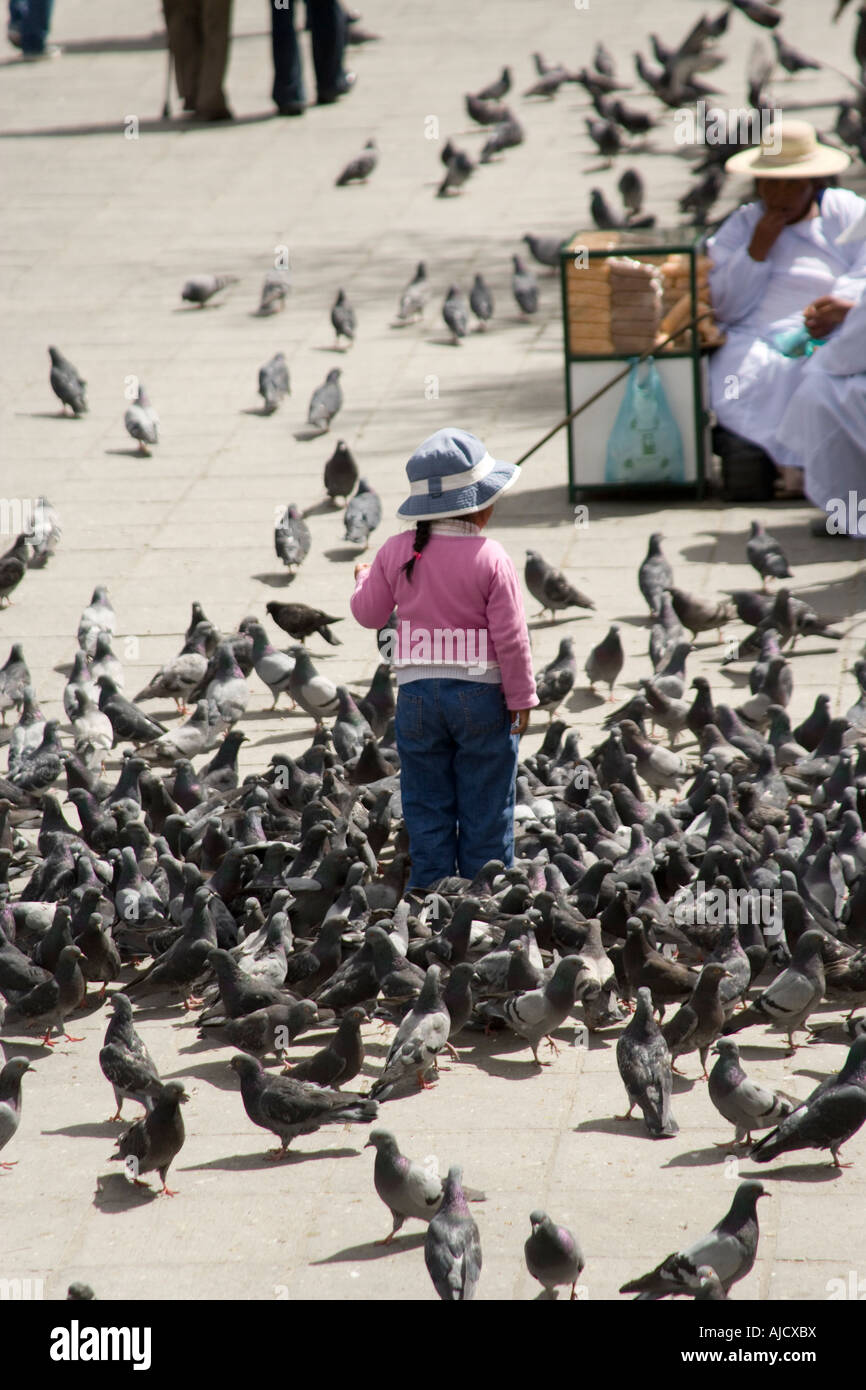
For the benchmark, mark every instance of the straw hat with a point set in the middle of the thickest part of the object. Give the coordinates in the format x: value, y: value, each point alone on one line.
x: 789, y: 150
x: 451, y: 474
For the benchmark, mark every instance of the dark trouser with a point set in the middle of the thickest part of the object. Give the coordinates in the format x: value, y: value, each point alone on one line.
x: 458, y: 761
x: 327, y: 25
x: 32, y: 19
x: 198, y: 36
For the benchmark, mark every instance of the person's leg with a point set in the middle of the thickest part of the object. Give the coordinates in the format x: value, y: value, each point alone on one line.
x: 427, y: 786
x: 288, y: 89
x: 210, y: 101
x: 183, y: 31
x: 485, y: 767
x: 33, y: 25
x: 327, y: 25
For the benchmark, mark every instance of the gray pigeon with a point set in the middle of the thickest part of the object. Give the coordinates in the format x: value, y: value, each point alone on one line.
x: 14, y: 677
x: 459, y: 169
x: 655, y: 575
x: 142, y: 422
x: 341, y: 472
x: 765, y: 555
x: 275, y: 291
x: 535, y: 1014
x: 744, y: 1103
x: 274, y: 669
x: 66, y: 384
x: 288, y: 1108
x: 544, y: 249
x: 313, y: 692
x: 550, y: 587
x: 414, y: 298
x: 350, y: 728
x: 481, y: 301
x: 556, y: 680
x: 13, y: 567
x: 125, y: 1061
x: 228, y: 689
x: 504, y: 136
x: 358, y: 170
x: 606, y: 660
x: 343, y: 319
x: 644, y: 1063
x: 363, y: 514
x: 420, y: 1038
x: 410, y: 1191
x: 828, y: 1118
x: 292, y: 539
x: 10, y: 1101
x: 455, y: 312
x: 98, y: 616
x: 552, y: 1253
x: 46, y: 533
x: 631, y: 190
x: 200, y: 289
x: 729, y: 1250
x: 452, y: 1246
x: 49, y: 1004
x: 524, y: 287
x: 154, y: 1142
x: 325, y: 402
x: 274, y: 382
x: 789, y: 999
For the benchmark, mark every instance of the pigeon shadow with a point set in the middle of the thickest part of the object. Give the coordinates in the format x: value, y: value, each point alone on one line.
x: 307, y: 433
x: 819, y: 1171
x: 256, y: 410
x: 374, y: 1250
x: 580, y: 700
x: 115, y: 1193
x: 703, y: 1158
x: 31, y: 1050
x: 126, y: 453
x: 344, y: 552
x: 326, y: 507
x: 239, y: 1163
x: 94, y: 1129
x: 758, y: 1053
x: 614, y: 1126
x: 276, y: 581
x: 45, y: 415
x: 218, y: 1074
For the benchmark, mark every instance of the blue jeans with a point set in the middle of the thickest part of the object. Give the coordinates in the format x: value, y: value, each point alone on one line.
x: 458, y: 760
x: 327, y: 26
x: 32, y: 19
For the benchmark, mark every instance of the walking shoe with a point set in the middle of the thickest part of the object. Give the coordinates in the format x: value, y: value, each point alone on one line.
x: 51, y: 50
x: 292, y: 108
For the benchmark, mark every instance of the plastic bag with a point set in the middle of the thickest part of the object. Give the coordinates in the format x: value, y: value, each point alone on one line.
x: 645, y: 444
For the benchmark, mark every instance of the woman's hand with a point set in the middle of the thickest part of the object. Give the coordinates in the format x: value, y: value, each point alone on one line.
x: 773, y: 222
x: 825, y: 314
x: 519, y: 721
x: 360, y: 567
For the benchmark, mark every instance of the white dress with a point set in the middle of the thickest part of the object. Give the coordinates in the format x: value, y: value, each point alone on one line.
x: 752, y: 384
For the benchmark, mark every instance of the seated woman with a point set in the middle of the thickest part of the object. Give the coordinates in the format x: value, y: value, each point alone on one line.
x: 779, y: 266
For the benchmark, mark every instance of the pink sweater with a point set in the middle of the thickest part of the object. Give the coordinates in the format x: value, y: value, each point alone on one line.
x: 463, y: 585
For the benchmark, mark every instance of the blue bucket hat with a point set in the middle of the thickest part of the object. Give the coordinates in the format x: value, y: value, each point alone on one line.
x: 450, y: 474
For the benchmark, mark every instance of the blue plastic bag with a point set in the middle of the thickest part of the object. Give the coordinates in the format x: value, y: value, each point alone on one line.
x: 645, y: 444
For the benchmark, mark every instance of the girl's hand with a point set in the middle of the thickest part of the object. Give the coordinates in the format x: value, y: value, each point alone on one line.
x: 519, y: 721
x: 360, y: 567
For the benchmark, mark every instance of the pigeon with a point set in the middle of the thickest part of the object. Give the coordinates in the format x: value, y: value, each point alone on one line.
x: 743, y: 1103
x: 699, y: 199
x: 759, y: 12
x: 606, y: 660
x: 142, y: 422
x: 125, y: 1061
x: 273, y: 668
x: 228, y: 688
x: 729, y: 1250
x: 343, y: 319
x: 275, y: 291
x: 636, y: 123
x: 789, y: 57
x: 274, y: 382
x: 66, y: 383
x: 549, y: 84
x: 655, y: 575
x: 495, y: 91
x: 288, y: 1108
x: 606, y: 138
x: 601, y: 212
x: 313, y: 692
x: 421, y: 1036
x: 414, y: 297
x: 631, y: 190
x: 452, y: 1246
x: 535, y: 1014
x: 459, y: 170
x: 128, y: 723
x: 698, y: 1022
x: 358, y: 170
x: 272, y: 1029
x: 455, y: 312
x: 504, y: 136
x: 325, y: 402
x: 98, y: 616
x: 180, y: 676
x: 341, y: 473
x: 363, y: 514
x: 14, y: 677
x: 644, y: 1063
x: 10, y: 1101
x: 481, y: 301
x: 828, y: 1118
x: 766, y: 555
x: 550, y: 586
x: 301, y: 622
x: 700, y: 615
x: 552, y: 1254
x: 48, y: 1004
x: 789, y: 999
x: 45, y: 535
x: 154, y: 1142
x: 341, y: 1060
x: 13, y: 567
x: 524, y: 287
x: 485, y: 112
x: 410, y: 1191
x: 200, y: 289
x: 80, y: 1293
x: 554, y: 682
x: 544, y: 249
x: 378, y: 705
x: 292, y: 539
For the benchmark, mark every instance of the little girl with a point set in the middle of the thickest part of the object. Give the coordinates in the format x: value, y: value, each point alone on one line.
x: 462, y: 658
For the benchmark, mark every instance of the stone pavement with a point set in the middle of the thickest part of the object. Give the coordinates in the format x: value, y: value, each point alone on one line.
x: 100, y: 231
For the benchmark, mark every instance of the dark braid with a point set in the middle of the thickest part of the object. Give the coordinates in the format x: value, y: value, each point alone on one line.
x: 423, y: 532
